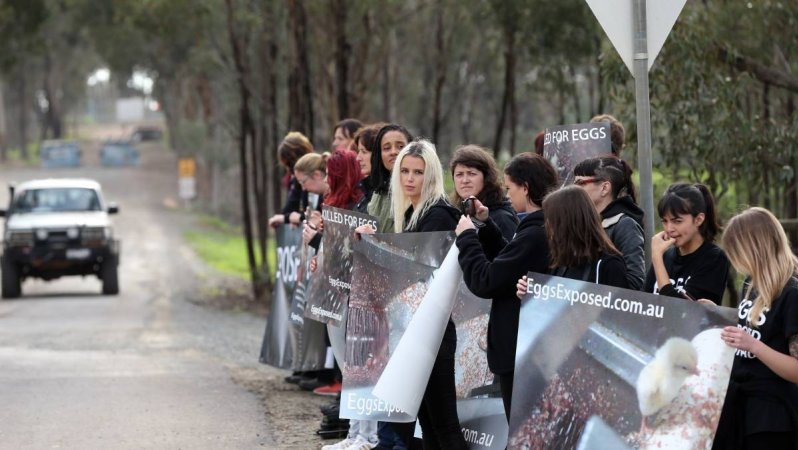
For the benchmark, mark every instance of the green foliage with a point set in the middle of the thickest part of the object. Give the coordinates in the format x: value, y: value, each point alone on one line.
x: 221, y: 246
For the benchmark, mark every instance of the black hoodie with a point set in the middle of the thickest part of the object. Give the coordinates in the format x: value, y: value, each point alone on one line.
x: 623, y: 221
x: 504, y: 217
x: 439, y: 217
x: 491, y: 269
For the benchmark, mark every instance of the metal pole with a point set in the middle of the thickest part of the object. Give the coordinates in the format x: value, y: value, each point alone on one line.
x: 643, y: 120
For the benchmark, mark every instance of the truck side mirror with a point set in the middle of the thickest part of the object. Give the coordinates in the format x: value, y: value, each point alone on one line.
x: 113, y: 208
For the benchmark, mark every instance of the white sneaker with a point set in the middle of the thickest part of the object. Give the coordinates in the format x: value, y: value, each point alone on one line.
x: 340, y: 445
x: 360, y: 444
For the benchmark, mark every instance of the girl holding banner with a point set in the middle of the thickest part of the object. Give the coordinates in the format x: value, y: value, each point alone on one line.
x: 491, y: 265
x: 608, y: 182
x: 685, y: 262
x: 761, y: 408
x: 294, y: 146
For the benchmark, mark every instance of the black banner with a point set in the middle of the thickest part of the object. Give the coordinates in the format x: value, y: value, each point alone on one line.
x: 568, y: 145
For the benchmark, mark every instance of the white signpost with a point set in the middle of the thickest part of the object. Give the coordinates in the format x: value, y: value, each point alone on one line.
x: 638, y: 29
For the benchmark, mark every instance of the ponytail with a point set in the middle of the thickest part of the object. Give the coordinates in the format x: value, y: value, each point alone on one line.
x: 711, y: 227
x: 612, y: 169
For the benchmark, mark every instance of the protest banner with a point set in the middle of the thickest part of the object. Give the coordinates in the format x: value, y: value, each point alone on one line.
x: 329, y: 294
x: 307, y: 336
x: 276, y: 349
x: 391, y: 277
x: 597, y: 364
x: 568, y: 145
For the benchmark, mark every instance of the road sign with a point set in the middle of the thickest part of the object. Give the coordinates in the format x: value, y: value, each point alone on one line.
x: 186, y: 168
x: 616, y: 18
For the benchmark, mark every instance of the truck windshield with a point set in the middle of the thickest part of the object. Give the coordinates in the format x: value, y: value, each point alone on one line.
x: 56, y: 200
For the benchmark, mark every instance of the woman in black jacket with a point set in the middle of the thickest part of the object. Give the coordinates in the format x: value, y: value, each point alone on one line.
x: 294, y: 146
x: 578, y: 246
x: 419, y: 204
x: 475, y: 175
x: 491, y: 265
x: 608, y: 182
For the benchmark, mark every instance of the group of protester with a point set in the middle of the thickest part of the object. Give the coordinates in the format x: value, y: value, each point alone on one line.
x: 520, y: 220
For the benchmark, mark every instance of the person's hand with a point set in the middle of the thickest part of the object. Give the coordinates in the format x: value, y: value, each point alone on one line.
x: 315, y: 218
x: 366, y: 228
x: 308, y: 232
x: 660, y: 243
x: 705, y: 301
x: 521, y: 286
x: 314, y: 264
x: 464, y: 224
x: 739, y: 338
x: 482, y: 211
x: 294, y: 218
x: 276, y: 220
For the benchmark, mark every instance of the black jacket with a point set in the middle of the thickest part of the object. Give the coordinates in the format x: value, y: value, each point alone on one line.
x: 362, y: 206
x: 440, y: 217
x: 609, y: 270
x: 296, y: 200
x: 623, y: 222
x: 702, y: 274
x: 504, y: 217
x: 491, y: 268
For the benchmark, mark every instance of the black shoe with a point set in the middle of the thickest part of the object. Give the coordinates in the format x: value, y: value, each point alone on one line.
x: 296, y: 378
x: 330, y: 408
x: 313, y: 383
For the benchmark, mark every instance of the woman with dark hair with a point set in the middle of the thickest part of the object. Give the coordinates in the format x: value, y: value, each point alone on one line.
x: 390, y: 140
x: 578, y: 246
x: 685, y: 262
x: 761, y: 404
x: 491, y: 265
x: 364, y: 141
x: 294, y: 146
x: 344, y: 134
x: 475, y: 175
x: 608, y: 182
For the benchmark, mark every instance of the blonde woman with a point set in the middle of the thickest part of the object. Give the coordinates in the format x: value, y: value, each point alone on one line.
x: 762, y: 400
x: 419, y: 204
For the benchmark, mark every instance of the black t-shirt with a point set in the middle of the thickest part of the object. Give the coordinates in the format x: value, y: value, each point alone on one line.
x: 702, y: 274
x: 774, y: 329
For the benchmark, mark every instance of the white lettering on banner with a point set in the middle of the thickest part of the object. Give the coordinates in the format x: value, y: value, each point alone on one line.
x: 744, y: 312
x: 557, y: 136
x: 560, y: 292
x: 297, y: 318
x: 475, y: 437
x: 324, y: 313
x: 288, y: 263
x: 350, y: 221
x: 339, y: 284
x: 368, y: 406
x: 587, y: 134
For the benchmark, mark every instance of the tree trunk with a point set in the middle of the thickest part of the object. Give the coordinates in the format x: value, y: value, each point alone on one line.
x: 22, y: 95
x: 246, y: 131
x: 440, y: 72
x: 343, y: 52
x: 508, y: 98
x: 300, y: 94
x: 791, y: 190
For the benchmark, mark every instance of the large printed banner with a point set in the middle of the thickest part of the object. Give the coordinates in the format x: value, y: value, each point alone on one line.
x: 602, y: 367
x: 568, y: 145
x: 329, y: 295
x: 394, y: 274
x: 277, y: 349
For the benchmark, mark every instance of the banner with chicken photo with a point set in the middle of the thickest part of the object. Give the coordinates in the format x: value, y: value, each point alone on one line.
x: 329, y: 296
x: 566, y: 146
x: 603, y: 367
x: 396, y: 278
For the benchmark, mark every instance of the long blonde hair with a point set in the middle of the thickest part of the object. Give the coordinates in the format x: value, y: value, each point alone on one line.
x: 432, y: 189
x: 757, y: 246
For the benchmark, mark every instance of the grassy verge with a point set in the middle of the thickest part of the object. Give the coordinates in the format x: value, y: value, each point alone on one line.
x: 223, y: 247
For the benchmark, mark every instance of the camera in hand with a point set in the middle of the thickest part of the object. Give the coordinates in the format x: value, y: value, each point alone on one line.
x: 469, y: 207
